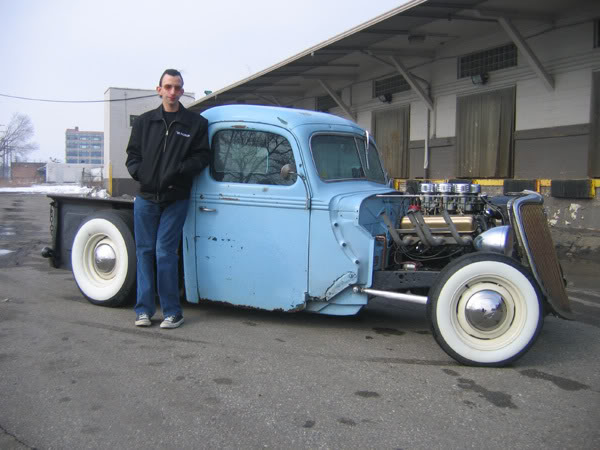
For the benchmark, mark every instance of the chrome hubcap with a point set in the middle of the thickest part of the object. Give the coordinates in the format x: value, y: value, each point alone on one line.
x: 485, y: 310
x: 104, y: 258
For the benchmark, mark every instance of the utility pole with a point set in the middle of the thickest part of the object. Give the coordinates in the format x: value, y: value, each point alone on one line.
x: 4, y: 152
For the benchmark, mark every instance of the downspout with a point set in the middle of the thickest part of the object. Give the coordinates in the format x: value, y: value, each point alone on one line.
x: 426, y: 147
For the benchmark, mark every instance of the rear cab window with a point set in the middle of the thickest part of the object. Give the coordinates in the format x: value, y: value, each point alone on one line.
x: 339, y: 157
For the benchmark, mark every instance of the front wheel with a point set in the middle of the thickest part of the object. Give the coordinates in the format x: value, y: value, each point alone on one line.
x: 485, y: 310
x: 103, y: 258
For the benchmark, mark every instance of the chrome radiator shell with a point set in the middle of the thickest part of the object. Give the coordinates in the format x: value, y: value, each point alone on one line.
x: 533, y: 234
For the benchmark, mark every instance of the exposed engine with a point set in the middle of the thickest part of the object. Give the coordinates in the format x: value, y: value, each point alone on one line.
x: 442, y: 221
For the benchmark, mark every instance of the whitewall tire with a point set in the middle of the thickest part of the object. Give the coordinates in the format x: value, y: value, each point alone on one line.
x: 103, y: 258
x: 485, y: 310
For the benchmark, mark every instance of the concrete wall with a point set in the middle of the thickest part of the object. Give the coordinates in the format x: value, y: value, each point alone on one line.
x: 542, y: 153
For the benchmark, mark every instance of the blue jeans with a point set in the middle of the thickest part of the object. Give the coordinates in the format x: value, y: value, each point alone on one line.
x: 157, y: 235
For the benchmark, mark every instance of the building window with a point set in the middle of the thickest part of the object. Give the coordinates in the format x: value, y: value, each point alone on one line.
x: 325, y: 102
x: 392, y: 136
x: 254, y: 157
x: 83, y: 146
x: 96, y: 161
x: 485, y: 126
x: 96, y: 138
x: 487, y: 61
x: 132, y: 119
x: 390, y: 85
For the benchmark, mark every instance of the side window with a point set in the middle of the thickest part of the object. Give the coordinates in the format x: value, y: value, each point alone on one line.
x: 253, y: 157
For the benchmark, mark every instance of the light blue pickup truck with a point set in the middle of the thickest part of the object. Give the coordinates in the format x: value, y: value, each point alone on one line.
x: 296, y: 213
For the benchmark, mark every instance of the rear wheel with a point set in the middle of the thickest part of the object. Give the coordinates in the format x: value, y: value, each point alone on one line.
x: 103, y: 258
x: 485, y: 310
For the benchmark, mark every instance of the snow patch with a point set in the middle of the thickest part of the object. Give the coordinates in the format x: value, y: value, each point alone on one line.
x: 66, y: 189
x: 5, y: 252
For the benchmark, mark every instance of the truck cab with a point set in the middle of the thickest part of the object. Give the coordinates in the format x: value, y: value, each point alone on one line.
x: 272, y: 221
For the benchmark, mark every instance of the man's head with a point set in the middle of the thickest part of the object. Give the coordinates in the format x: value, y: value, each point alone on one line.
x: 170, y: 88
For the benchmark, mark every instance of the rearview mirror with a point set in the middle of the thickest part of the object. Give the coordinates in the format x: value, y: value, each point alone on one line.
x: 287, y: 171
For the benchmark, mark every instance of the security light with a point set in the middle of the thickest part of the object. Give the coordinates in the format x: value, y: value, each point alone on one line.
x: 385, y: 98
x: 480, y: 78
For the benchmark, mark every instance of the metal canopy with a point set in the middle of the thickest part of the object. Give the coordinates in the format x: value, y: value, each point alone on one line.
x: 409, y: 35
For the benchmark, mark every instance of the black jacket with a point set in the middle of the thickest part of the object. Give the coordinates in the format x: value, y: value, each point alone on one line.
x: 165, y: 161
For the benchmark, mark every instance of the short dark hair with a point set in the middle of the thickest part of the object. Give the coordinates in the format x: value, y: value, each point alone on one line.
x: 173, y: 73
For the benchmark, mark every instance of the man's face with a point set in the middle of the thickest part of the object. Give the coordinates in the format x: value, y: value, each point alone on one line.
x: 170, y: 91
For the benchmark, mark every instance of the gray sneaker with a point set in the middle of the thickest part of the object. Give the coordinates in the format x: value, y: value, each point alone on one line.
x: 172, y: 321
x: 142, y: 320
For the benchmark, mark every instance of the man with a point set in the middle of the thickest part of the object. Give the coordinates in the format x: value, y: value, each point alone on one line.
x: 167, y: 148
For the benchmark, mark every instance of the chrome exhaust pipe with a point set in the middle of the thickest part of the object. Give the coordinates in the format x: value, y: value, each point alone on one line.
x: 419, y: 299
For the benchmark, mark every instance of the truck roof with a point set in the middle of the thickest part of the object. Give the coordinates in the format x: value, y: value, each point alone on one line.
x: 275, y: 115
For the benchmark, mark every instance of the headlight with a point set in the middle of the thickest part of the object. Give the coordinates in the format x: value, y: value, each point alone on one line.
x: 497, y: 240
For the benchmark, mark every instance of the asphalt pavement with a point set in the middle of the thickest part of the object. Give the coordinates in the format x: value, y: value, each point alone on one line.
x: 75, y: 375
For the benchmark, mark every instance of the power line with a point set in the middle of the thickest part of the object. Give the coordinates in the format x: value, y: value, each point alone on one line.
x: 82, y: 101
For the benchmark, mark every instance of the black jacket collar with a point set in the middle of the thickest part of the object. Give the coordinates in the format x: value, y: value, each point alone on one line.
x: 182, y: 115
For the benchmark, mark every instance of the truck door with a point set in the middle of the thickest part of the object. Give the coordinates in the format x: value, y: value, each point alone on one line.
x: 251, y: 227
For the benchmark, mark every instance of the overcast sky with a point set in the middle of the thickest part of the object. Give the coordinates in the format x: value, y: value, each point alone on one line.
x: 75, y: 50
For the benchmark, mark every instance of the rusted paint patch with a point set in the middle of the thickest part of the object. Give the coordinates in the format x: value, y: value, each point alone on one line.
x: 229, y: 198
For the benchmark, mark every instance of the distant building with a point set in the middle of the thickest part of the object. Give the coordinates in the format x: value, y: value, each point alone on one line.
x: 84, y: 174
x: 84, y: 147
x: 25, y: 173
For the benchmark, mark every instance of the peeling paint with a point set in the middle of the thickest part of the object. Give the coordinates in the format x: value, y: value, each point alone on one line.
x: 573, y: 208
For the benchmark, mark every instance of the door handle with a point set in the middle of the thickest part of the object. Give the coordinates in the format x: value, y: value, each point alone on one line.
x: 203, y: 209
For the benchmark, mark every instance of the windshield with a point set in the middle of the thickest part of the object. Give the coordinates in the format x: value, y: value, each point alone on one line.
x: 344, y: 157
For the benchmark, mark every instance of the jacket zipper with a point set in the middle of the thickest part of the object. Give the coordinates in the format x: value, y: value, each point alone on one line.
x: 167, y: 133
x: 165, y: 146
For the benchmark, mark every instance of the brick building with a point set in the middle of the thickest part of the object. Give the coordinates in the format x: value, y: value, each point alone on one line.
x: 27, y: 173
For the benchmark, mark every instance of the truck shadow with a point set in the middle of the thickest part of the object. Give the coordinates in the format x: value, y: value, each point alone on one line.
x: 379, y: 313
